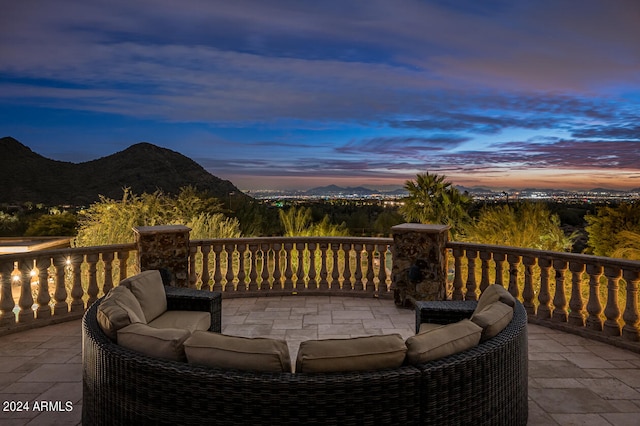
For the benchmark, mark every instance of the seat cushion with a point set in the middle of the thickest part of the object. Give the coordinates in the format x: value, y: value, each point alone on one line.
x: 240, y: 353
x: 442, y: 341
x: 154, y: 342
x: 148, y: 288
x: 493, y: 319
x: 118, y: 309
x: 188, y: 320
x: 356, y: 354
x: 428, y: 326
x: 494, y: 293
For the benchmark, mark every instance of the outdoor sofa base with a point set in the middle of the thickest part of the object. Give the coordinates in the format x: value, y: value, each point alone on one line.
x: 121, y: 386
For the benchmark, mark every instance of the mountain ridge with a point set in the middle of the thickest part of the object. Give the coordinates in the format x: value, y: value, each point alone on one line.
x: 143, y: 167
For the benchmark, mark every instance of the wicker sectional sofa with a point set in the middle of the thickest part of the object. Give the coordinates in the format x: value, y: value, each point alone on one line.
x: 483, y: 385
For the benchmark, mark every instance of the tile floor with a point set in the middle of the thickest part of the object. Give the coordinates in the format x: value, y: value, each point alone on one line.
x: 572, y: 380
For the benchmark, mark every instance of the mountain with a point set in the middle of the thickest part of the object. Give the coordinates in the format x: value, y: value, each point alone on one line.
x: 27, y: 176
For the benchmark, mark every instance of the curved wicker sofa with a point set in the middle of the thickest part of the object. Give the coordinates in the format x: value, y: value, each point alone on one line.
x: 121, y: 386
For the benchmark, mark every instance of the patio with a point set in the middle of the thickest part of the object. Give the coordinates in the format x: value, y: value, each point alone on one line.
x: 572, y: 380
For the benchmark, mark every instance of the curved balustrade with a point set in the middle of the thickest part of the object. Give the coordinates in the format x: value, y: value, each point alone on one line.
x: 597, y: 296
x: 318, y: 265
x: 52, y: 285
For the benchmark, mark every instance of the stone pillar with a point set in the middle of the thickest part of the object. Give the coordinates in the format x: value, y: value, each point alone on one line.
x: 419, y: 263
x: 165, y: 248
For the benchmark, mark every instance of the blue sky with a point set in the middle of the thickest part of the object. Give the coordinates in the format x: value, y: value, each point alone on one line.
x: 295, y: 94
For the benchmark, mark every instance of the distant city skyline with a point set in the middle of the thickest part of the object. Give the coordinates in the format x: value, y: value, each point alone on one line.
x: 286, y: 95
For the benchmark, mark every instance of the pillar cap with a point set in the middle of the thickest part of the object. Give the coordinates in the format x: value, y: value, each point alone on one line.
x: 160, y: 229
x: 420, y: 227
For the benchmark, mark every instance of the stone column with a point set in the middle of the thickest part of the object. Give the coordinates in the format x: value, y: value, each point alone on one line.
x: 165, y: 248
x: 419, y: 263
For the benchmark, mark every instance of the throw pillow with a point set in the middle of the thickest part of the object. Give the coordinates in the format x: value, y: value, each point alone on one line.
x: 118, y: 309
x: 493, y: 319
x: 148, y: 288
x: 495, y: 293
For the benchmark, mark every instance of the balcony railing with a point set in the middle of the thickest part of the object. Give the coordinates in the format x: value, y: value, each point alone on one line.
x: 589, y: 295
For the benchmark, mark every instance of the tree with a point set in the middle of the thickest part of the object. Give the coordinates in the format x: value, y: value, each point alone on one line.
x: 61, y: 224
x: 434, y: 200
x: 110, y: 221
x: 527, y: 224
x: 628, y: 246
x: 607, y: 228
x: 298, y: 222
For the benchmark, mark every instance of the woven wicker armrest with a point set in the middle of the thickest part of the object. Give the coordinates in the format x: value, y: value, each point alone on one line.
x: 443, y: 312
x: 186, y: 299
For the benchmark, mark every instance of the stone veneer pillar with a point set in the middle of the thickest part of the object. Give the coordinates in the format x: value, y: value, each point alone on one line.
x: 419, y: 263
x: 165, y: 248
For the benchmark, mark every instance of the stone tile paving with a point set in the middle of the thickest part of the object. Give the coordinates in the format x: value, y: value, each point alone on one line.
x: 572, y: 380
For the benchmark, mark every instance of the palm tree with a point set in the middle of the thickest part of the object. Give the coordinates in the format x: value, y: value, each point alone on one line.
x: 434, y: 200
x: 628, y: 245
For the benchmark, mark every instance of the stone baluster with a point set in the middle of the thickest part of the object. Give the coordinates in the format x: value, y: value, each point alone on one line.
x: 43, y: 310
x: 253, y: 273
x: 7, y: 304
x: 498, y: 260
x: 230, y: 275
x: 312, y: 284
x: 544, y: 308
x: 371, y: 286
x: 528, y: 294
x: 514, y: 262
x: 472, y: 286
x: 300, y: 282
x: 205, y: 275
x: 612, y: 310
x: 193, y: 274
x: 576, y: 303
x: 123, y: 257
x: 60, y: 294
x: 77, y: 293
x: 630, y: 330
x: 335, y: 269
x: 26, y: 299
x: 383, y: 285
x: 594, y: 307
x: 277, y: 270
x: 107, y: 261
x: 358, y: 273
x: 485, y: 257
x: 324, y: 273
x: 217, y: 271
x: 242, y: 273
x: 560, y: 298
x: 92, y: 289
x: 264, y: 284
x: 288, y: 270
x: 458, y: 294
x: 346, y: 272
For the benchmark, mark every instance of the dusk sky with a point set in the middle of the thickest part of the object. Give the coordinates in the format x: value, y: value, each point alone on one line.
x: 295, y: 94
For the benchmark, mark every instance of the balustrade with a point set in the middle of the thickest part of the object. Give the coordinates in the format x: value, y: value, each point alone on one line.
x: 47, y: 286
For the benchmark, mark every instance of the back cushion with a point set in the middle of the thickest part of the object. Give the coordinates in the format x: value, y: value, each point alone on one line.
x: 118, y: 309
x: 147, y: 287
x: 493, y: 319
x: 154, y: 342
x: 442, y: 341
x: 494, y: 293
x: 356, y: 354
x: 240, y: 353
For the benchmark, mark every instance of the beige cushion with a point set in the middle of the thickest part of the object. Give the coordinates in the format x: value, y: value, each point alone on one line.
x: 493, y: 319
x: 492, y: 294
x: 159, y: 343
x: 241, y: 353
x: 188, y: 320
x: 442, y: 341
x: 356, y: 354
x: 148, y: 288
x: 118, y: 309
x: 428, y: 326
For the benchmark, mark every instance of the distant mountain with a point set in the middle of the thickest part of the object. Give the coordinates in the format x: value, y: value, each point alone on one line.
x: 337, y: 190
x: 27, y: 176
